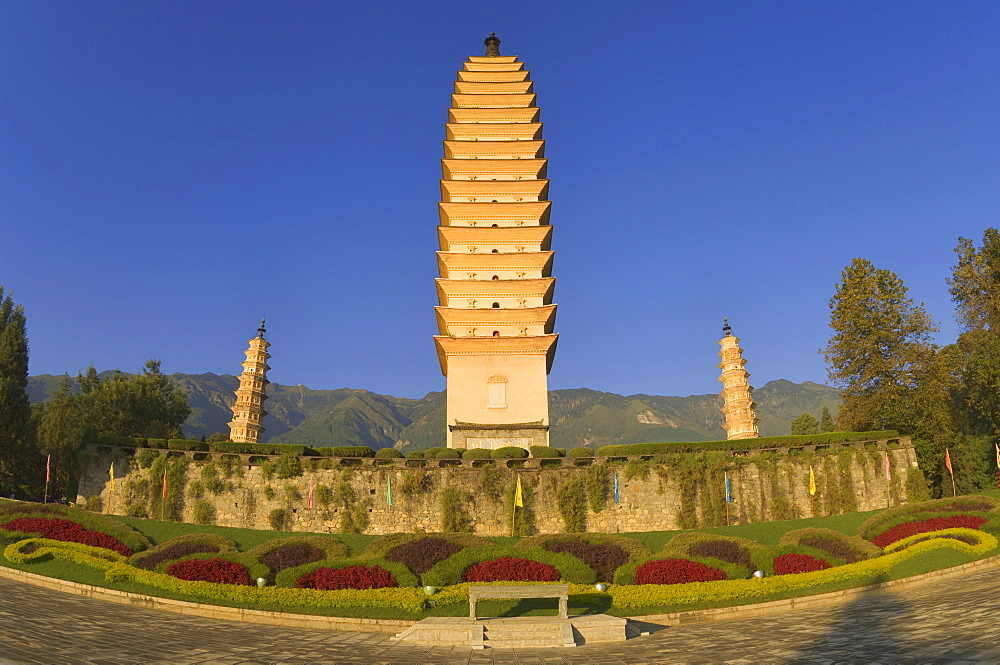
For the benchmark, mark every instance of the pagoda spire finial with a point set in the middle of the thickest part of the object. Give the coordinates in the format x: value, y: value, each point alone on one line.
x: 261, y: 330
x: 726, y: 328
x: 492, y: 45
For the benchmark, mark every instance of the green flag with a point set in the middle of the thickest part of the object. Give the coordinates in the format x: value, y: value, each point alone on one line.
x: 388, y: 491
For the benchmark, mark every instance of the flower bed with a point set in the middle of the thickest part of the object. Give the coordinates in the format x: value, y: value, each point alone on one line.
x: 295, y: 551
x: 180, y: 547
x: 907, y: 529
x: 727, y: 550
x: 120, y: 531
x: 676, y: 596
x: 451, y: 570
x: 292, y: 577
x: 970, y: 537
x: 348, y: 577
x: 676, y: 571
x: 792, y: 563
x: 510, y: 569
x: 216, y: 570
x: 605, y: 559
x: 880, y: 522
x: 421, y: 555
x: 65, y: 530
x: 849, y: 549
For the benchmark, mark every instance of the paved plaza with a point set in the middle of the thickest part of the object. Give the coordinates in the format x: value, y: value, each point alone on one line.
x: 951, y: 621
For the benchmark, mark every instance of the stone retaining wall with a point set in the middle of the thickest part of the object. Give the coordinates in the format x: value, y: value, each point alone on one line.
x: 652, y: 496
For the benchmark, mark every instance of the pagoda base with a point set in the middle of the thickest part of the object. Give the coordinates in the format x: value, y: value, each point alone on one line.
x: 493, y: 436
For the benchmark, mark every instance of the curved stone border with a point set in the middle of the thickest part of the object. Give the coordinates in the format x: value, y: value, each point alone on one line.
x: 396, y: 625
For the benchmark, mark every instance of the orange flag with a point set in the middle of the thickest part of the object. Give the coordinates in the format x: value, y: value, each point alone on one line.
x: 947, y: 462
x: 164, y: 484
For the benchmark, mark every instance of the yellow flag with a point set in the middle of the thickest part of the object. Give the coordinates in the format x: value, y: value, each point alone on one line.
x: 518, y: 498
x: 998, y: 454
x: 112, y: 472
x: 812, y: 481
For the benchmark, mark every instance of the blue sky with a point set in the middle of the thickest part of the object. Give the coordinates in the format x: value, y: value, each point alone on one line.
x: 171, y: 171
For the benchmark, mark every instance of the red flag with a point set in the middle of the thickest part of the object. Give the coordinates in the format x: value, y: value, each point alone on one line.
x: 48, y: 468
x: 164, y: 484
x: 888, y: 467
x: 312, y: 486
x: 947, y: 462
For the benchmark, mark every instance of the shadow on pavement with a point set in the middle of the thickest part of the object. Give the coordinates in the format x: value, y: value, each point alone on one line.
x: 877, y: 626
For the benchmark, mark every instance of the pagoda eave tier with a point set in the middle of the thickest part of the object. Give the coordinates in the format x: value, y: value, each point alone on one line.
x: 494, y: 288
x: 500, y: 101
x: 466, y: 316
x: 485, y: 263
x: 538, y: 237
x: 527, y: 114
x: 536, y: 345
x: 507, y: 191
x: 494, y: 149
x: 486, y: 213
x: 493, y: 88
x: 493, y: 131
x: 493, y: 66
x: 493, y: 169
x: 494, y: 77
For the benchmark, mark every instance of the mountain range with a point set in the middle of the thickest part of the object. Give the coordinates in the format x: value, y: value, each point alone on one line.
x: 580, y: 417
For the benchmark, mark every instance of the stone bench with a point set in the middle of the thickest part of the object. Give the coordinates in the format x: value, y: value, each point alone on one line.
x: 519, y: 591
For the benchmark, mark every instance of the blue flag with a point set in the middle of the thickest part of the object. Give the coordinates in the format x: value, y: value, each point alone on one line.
x: 616, y: 487
x: 729, y: 495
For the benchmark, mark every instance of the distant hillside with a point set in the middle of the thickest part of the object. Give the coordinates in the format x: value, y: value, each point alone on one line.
x: 579, y: 417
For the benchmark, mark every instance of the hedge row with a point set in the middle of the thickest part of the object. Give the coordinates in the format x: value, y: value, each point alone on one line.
x: 623, y: 450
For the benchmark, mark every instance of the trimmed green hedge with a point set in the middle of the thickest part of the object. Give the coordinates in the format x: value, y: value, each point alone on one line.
x: 581, y: 451
x: 623, y: 450
x: 346, y: 451
x: 546, y: 452
x: 476, y: 453
x: 260, y: 448
x: 450, y: 570
x: 388, y: 453
x: 509, y: 452
x: 186, y: 444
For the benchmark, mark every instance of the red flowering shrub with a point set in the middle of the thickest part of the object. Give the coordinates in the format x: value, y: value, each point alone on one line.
x: 348, y: 577
x: 290, y: 556
x: 604, y: 559
x: 791, y: 563
x: 219, y: 571
x: 676, y: 571
x: 726, y: 550
x: 906, y: 529
x: 421, y: 555
x: 66, y: 531
x: 510, y: 569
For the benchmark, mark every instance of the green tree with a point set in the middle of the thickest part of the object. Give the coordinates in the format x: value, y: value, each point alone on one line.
x: 144, y: 404
x: 975, y: 289
x: 826, y: 423
x: 881, y: 342
x: 805, y: 424
x: 60, y: 432
x: 18, y: 455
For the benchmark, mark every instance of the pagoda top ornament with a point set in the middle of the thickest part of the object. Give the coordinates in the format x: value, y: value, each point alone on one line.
x: 492, y: 45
